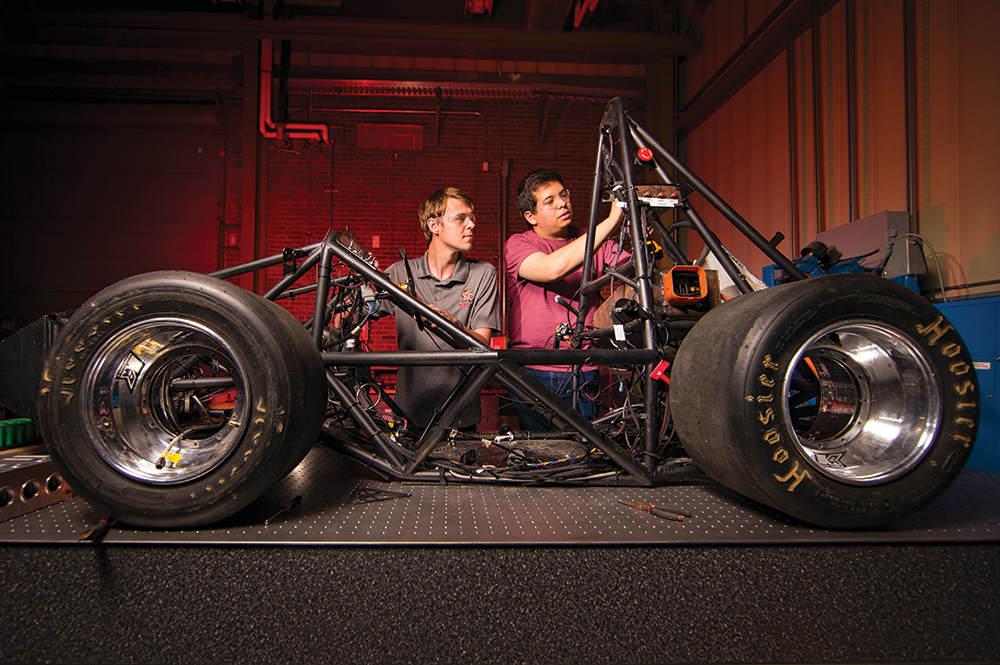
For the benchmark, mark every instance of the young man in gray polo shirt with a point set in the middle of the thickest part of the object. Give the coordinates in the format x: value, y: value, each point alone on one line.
x: 460, y: 289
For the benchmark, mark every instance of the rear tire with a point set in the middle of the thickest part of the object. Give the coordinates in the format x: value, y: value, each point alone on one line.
x: 845, y: 401
x: 136, y: 445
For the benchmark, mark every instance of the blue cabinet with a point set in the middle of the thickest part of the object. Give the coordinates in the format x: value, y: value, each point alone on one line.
x: 978, y: 321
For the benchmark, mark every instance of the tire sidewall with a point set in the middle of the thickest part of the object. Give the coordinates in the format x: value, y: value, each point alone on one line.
x: 790, y: 481
x: 248, y: 330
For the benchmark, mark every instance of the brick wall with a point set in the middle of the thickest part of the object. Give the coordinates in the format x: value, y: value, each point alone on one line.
x: 375, y: 190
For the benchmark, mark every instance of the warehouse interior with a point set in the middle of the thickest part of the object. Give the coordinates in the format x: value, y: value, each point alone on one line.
x: 197, y: 135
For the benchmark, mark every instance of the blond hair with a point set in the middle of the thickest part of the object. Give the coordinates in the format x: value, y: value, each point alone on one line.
x: 437, y: 204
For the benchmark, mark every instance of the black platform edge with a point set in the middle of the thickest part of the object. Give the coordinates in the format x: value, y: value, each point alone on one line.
x: 343, y: 504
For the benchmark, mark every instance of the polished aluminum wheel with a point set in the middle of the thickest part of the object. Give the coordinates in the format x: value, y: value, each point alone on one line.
x: 165, y: 400
x: 864, y: 402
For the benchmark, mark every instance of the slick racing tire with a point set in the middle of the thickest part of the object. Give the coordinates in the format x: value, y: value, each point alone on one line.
x: 174, y: 399
x: 846, y: 401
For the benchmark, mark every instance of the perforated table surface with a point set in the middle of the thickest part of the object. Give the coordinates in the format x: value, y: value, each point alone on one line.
x: 344, y: 504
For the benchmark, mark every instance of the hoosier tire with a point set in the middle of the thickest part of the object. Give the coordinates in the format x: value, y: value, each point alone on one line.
x: 843, y: 401
x: 136, y: 441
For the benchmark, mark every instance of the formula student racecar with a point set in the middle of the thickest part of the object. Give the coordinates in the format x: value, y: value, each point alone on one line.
x: 175, y: 399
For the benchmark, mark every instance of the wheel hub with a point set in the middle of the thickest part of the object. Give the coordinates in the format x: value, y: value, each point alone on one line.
x: 165, y: 401
x: 863, y: 402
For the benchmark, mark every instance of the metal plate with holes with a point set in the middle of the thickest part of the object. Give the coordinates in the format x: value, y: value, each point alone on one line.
x: 29, y: 481
x: 344, y: 504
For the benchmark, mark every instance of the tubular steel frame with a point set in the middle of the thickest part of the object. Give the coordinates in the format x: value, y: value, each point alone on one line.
x: 614, y: 166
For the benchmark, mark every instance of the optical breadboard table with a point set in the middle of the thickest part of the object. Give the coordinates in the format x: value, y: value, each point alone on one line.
x: 330, y: 500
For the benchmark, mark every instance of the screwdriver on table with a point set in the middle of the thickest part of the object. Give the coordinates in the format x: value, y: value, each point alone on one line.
x: 666, y: 513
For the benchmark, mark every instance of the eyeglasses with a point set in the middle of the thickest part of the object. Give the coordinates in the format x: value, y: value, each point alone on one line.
x: 460, y: 218
x: 551, y: 202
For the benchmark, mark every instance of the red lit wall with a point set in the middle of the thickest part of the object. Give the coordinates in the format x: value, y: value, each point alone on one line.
x: 375, y: 191
x: 94, y: 193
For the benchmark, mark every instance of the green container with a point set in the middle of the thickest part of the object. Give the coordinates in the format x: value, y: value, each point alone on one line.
x: 18, y: 432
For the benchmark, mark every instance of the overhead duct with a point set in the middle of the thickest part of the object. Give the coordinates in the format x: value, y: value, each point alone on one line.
x: 431, y: 90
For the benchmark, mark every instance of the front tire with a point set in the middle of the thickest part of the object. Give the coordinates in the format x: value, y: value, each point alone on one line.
x: 138, y: 440
x: 844, y: 401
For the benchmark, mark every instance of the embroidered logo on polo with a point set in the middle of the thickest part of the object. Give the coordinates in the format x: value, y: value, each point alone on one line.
x: 467, y: 298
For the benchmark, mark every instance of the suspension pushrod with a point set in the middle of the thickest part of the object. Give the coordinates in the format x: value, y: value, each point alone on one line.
x: 291, y: 293
x: 290, y: 279
x: 626, y: 269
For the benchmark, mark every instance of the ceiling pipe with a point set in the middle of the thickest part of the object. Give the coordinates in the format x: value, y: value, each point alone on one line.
x: 581, y: 10
x: 270, y: 129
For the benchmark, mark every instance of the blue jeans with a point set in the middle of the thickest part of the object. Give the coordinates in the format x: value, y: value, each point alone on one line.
x: 561, y: 383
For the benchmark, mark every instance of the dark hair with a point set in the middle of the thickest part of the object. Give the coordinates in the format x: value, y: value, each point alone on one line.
x: 538, y: 178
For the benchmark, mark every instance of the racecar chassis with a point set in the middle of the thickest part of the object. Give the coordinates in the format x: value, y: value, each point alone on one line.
x: 175, y: 399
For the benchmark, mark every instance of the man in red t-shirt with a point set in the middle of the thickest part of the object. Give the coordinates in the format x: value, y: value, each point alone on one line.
x: 546, y: 261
